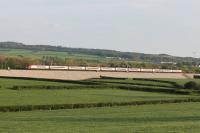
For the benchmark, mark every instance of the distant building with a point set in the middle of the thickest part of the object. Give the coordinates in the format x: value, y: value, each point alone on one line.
x: 173, y: 63
x: 117, y: 58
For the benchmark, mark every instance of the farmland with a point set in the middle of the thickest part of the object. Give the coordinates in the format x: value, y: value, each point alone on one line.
x: 177, y: 118
x: 176, y: 113
x: 76, y: 92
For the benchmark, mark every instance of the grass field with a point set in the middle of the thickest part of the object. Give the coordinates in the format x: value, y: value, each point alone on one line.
x: 36, y: 97
x: 158, y: 118
x: 169, y: 118
x: 7, y: 83
x: 79, y: 95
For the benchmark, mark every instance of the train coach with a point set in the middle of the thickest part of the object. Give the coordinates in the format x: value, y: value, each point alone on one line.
x: 92, y: 68
x: 76, y: 68
x: 120, y: 69
x: 106, y: 69
x: 146, y: 70
x: 134, y: 70
x: 39, y: 67
x: 58, y: 67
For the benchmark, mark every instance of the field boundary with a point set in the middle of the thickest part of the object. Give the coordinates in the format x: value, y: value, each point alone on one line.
x: 91, y: 105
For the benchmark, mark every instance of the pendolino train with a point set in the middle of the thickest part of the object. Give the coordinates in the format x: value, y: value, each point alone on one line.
x: 105, y: 69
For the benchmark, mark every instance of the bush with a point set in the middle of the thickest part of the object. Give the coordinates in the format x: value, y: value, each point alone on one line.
x: 191, y: 85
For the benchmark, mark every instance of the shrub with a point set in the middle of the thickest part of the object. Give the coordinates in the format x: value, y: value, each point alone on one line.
x: 191, y: 85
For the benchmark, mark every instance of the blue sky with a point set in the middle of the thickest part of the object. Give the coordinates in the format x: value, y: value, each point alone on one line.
x: 148, y: 26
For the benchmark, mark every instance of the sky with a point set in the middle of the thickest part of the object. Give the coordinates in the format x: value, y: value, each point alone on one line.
x: 145, y: 26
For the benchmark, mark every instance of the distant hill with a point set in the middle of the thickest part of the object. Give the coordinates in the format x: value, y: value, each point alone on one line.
x: 155, y: 58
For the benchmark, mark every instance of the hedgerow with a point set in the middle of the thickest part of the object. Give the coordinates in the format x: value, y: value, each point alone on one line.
x: 160, y: 81
x: 144, y: 79
x: 106, y: 77
x: 89, y: 105
x: 49, y: 87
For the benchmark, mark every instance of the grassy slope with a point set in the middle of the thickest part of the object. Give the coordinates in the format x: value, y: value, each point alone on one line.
x: 176, y: 118
x: 39, y: 54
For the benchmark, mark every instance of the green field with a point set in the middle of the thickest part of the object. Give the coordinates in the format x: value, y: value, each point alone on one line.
x: 35, y: 97
x: 158, y: 118
x: 169, y: 118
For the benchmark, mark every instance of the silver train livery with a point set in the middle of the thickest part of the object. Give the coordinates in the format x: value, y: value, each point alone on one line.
x: 105, y: 69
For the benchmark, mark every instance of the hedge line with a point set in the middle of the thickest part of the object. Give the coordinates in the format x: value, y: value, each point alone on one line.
x: 135, y: 84
x: 142, y: 79
x: 160, y: 81
x: 154, y: 80
x: 89, y: 105
x: 145, y: 79
x: 49, y: 87
x: 106, y: 77
x: 83, y: 82
x: 151, y: 89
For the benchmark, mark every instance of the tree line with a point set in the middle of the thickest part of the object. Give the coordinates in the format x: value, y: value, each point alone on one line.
x: 21, y: 62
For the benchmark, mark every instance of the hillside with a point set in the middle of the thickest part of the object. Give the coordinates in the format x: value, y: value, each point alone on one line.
x: 8, y: 48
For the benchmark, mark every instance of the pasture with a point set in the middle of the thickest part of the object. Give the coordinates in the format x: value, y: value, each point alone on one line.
x: 170, y: 110
x: 176, y: 118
